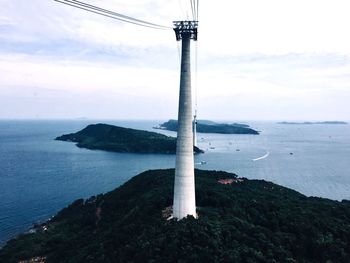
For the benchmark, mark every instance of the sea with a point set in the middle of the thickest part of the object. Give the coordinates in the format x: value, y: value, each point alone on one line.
x: 39, y: 175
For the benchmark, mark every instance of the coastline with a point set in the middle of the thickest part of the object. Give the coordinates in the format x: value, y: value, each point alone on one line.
x: 59, y: 173
x: 231, y: 204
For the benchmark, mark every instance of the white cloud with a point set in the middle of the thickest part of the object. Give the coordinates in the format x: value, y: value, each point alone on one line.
x: 256, y: 58
x: 84, y: 77
x: 275, y: 27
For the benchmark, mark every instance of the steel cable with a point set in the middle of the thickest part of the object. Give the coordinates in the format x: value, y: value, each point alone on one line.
x: 110, y: 14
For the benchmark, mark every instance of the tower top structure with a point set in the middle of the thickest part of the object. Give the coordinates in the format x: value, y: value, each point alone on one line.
x: 185, y: 29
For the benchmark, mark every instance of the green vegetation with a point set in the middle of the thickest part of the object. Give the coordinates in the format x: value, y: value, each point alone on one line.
x: 118, y: 139
x: 204, y: 126
x: 246, y: 221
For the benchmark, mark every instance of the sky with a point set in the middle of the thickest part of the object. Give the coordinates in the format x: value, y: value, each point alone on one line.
x: 257, y: 60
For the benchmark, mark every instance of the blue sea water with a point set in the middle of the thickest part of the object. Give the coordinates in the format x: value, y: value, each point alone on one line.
x: 39, y: 176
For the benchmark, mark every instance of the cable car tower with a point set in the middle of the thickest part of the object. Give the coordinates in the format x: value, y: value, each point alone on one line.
x: 184, y: 186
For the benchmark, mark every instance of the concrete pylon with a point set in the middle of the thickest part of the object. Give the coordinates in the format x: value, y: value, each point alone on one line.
x: 184, y: 186
x: 195, y: 129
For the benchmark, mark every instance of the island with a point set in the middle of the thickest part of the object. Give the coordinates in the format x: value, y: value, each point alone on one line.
x: 317, y: 122
x: 124, y: 140
x: 204, y: 126
x: 239, y: 220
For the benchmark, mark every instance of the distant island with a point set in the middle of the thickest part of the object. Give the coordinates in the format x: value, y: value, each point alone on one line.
x: 240, y: 220
x: 204, y: 126
x: 317, y: 122
x: 119, y: 139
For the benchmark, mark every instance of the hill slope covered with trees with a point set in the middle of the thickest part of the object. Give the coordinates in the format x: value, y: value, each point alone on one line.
x: 119, y: 139
x: 239, y: 221
x: 204, y: 126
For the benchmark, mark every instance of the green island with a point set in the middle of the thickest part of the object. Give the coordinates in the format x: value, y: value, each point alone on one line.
x: 239, y: 220
x: 125, y: 140
x: 204, y: 126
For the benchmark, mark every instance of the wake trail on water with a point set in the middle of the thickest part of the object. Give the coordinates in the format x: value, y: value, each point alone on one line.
x: 262, y: 157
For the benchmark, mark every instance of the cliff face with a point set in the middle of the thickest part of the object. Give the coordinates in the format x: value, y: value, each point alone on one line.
x: 239, y: 220
x: 213, y: 127
x: 119, y: 139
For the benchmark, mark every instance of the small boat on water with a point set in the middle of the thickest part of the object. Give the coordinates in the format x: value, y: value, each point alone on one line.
x: 201, y: 163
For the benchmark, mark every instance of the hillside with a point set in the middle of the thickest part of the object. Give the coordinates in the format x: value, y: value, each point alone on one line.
x: 204, y: 126
x: 245, y: 221
x: 118, y: 139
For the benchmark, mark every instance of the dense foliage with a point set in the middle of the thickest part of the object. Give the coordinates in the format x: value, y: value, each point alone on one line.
x: 247, y: 221
x: 119, y: 139
x: 213, y: 127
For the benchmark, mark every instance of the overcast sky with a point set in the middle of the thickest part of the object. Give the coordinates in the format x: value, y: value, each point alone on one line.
x: 257, y: 60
